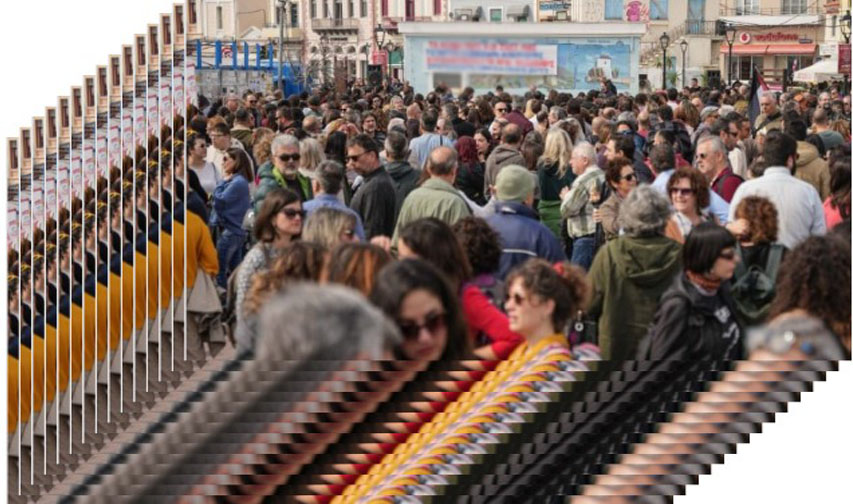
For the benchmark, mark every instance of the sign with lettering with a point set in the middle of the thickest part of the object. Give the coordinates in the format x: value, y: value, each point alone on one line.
x: 777, y: 37
x: 844, y: 59
x: 491, y: 57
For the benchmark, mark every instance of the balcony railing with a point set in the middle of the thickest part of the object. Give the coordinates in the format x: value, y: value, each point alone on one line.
x: 790, y: 10
x: 334, y: 24
x: 700, y: 27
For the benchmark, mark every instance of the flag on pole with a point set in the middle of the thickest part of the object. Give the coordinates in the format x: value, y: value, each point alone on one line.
x: 757, y: 89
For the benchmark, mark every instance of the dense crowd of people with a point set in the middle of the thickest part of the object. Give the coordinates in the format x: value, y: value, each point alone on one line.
x: 673, y: 219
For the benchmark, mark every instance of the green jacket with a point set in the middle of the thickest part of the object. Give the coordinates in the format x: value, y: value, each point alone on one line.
x: 434, y: 198
x: 270, y: 178
x: 628, y: 277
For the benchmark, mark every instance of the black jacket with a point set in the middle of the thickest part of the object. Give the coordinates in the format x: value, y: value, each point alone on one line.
x: 375, y: 201
x: 691, y: 325
x: 470, y: 179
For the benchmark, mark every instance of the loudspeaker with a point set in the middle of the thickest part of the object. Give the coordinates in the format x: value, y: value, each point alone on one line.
x: 374, y: 75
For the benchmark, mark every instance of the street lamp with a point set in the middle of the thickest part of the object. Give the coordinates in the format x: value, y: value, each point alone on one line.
x: 684, y: 46
x: 845, y: 27
x: 731, y: 33
x: 664, y: 43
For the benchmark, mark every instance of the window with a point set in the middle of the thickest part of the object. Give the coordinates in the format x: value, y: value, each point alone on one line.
x: 278, y: 14
x: 746, y: 7
x: 496, y: 15
x: 219, y: 18
x: 192, y: 12
x: 313, y: 9
x: 795, y: 63
x: 351, y: 8
x: 436, y: 7
x: 410, y: 10
x: 325, y: 8
x: 794, y: 6
x: 339, y: 9
x: 613, y: 9
x: 834, y: 24
x: 364, y: 8
x: 743, y: 66
x: 658, y: 9
x: 294, y: 16
x: 383, y: 8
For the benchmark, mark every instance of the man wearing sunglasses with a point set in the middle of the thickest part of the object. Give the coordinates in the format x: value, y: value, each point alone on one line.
x: 375, y: 198
x: 712, y: 160
x: 282, y: 171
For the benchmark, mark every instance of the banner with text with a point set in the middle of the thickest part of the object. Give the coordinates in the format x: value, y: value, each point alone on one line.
x: 491, y: 58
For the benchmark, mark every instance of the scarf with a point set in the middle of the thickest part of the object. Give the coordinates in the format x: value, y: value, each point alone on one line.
x: 704, y: 282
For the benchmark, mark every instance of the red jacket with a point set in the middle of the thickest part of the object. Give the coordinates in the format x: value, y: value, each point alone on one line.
x: 482, y: 316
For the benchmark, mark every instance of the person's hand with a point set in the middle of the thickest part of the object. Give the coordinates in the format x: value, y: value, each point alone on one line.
x: 564, y: 192
x: 596, y: 216
x: 739, y: 227
x: 382, y: 241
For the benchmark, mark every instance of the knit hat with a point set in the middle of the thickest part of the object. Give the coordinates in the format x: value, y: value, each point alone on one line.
x: 514, y: 183
x: 708, y: 111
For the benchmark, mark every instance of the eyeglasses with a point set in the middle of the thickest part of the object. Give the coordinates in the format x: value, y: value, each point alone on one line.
x: 433, y: 322
x: 517, y: 298
x: 681, y: 191
x: 356, y: 156
x: 292, y: 214
x: 287, y: 157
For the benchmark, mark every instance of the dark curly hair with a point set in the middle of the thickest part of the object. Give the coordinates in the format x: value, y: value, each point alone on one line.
x: 433, y: 240
x: 481, y: 244
x: 815, y: 277
x: 697, y: 182
x: 564, y: 283
x: 762, y: 217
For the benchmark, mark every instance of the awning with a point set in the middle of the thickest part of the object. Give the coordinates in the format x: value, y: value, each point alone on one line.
x: 759, y: 49
x: 791, y: 49
x: 824, y: 70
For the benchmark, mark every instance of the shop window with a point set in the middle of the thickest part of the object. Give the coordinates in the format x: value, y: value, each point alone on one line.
x: 743, y: 66
x: 496, y: 15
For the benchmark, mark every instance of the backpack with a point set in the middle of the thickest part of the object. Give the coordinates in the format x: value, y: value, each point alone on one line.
x: 754, y: 288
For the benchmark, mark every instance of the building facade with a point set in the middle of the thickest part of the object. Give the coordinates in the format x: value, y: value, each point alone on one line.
x: 772, y: 36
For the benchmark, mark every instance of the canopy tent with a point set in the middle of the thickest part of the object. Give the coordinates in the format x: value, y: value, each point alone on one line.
x: 821, y: 71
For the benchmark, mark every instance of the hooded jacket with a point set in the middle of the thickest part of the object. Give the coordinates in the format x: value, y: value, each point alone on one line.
x: 628, y: 276
x: 270, y: 178
x: 405, y: 179
x: 813, y: 169
x: 503, y: 155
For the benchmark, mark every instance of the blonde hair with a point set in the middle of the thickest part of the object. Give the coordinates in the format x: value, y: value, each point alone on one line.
x: 311, y: 153
x: 324, y: 226
x: 261, y: 145
x: 558, y: 149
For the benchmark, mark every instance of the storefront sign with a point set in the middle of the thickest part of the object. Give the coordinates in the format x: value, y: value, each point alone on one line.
x: 745, y: 38
x: 491, y: 58
x: 777, y: 37
x: 844, y: 59
x: 554, y: 5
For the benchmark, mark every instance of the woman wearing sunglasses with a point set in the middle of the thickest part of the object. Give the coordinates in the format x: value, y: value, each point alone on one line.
x: 696, y: 315
x: 540, y: 300
x: 420, y: 300
x: 689, y: 193
x: 231, y: 201
x: 622, y: 180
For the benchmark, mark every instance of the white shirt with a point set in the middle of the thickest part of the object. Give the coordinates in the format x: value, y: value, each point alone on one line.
x: 737, y: 159
x: 797, y: 202
x: 208, y: 176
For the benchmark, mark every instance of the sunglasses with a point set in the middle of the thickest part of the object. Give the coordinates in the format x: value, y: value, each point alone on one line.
x: 517, y: 298
x: 500, y: 110
x: 292, y: 214
x: 287, y: 157
x: 681, y: 191
x: 629, y: 177
x: 433, y: 323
